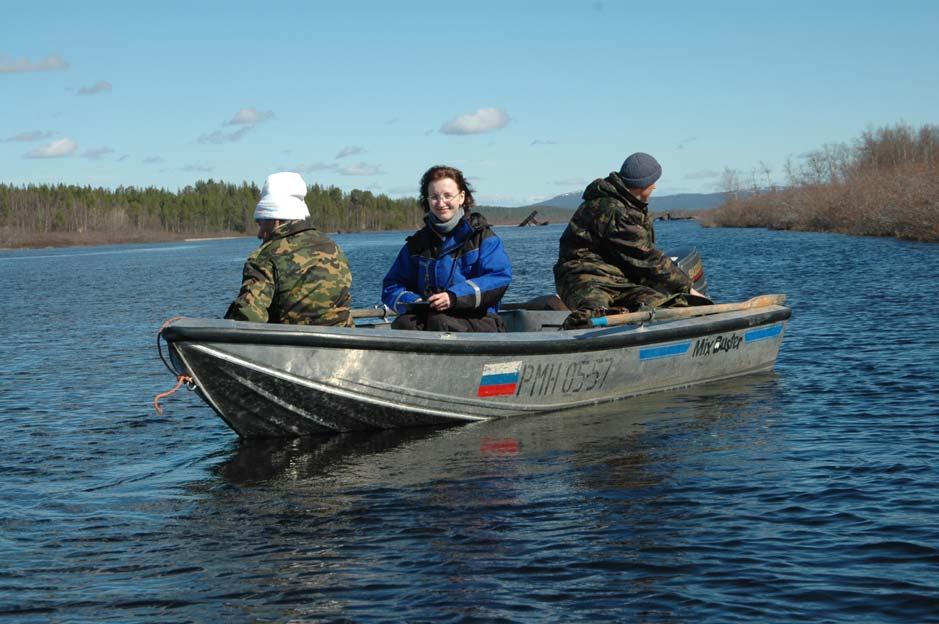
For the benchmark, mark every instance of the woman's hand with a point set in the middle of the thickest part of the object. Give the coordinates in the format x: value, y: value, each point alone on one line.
x: 440, y: 301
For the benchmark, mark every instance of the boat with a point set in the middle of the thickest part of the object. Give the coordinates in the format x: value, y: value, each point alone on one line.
x: 532, y: 219
x: 270, y: 380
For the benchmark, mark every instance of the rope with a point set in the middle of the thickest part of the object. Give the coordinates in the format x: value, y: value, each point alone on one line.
x: 168, y: 322
x: 179, y: 382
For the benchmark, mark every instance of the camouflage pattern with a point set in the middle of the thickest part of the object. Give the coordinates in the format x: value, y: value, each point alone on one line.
x: 299, y: 276
x: 608, y: 258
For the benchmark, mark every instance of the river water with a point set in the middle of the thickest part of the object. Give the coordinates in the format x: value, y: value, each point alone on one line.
x: 807, y: 493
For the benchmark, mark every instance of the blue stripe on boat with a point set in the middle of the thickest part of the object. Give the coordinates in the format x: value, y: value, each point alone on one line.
x: 662, y: 352
x: 763, y: 334
x: 498, y: 379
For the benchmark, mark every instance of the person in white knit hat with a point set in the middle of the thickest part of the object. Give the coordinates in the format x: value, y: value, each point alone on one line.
x: 298, y: 275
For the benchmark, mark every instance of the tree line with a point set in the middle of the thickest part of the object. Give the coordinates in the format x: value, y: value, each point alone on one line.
x: 69, y: 214
x: 885, y: 183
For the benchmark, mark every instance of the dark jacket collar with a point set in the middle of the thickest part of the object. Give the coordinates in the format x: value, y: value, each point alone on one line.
x: 471, y: 223
x: 289, y: 228
x: 614, y: 187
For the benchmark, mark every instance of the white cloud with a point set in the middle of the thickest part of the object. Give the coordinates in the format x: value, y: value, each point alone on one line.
x: 543, y: 142
x: 249, y: 117
x: 35, y: 135
x: 684, y: 143
x: 701, y: 174
x: 50, y: 63
x: 56, y: 149
x: 483, y: 120
x: 361, y: 169
x: 314, y: 166
x: 96, y: 153
x: 509, y: 201
x: 194, y: 168
x: 578, y: 182
x: 351, y: 150
x: 98, y: 87
x: 220, y: 136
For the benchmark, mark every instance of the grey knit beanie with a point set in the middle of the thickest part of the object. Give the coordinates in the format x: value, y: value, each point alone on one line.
x: 640, y: 170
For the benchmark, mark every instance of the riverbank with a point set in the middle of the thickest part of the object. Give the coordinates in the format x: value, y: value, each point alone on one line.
x: 91, y: 239
x: 886, y: 184
x: 31, y: 240
x: 55, y: 215
x: 905, y: 207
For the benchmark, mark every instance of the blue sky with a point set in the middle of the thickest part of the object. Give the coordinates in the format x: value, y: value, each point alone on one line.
x: 530, y: 99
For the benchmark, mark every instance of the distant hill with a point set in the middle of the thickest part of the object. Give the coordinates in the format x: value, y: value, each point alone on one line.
x: 497, y: 215
x: 560, y: 208
x: 567, y: 200
x: 689, y: 202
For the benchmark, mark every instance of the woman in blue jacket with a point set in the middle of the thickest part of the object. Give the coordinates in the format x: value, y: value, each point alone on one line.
x: 451, y: 274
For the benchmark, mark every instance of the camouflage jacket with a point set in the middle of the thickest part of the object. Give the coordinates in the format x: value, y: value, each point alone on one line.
x: 610, y: 236
x: 299, y: 276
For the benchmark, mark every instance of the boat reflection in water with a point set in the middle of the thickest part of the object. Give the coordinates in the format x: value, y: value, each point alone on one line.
x: 415, y: 455
x: 497, y: 514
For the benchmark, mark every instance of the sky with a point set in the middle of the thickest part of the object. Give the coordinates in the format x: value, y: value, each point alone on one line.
x: 529, y: 99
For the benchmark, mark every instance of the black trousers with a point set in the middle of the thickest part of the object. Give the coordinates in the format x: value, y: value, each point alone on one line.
x: 449, y: 321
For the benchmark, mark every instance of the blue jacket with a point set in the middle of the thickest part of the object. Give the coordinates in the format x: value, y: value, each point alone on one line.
x: 470, y: 263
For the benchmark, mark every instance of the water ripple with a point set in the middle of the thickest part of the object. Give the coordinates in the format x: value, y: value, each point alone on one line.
x: 804, y: 494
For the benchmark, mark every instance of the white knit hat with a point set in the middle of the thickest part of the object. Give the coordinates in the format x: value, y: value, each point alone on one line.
x: 282, y: 198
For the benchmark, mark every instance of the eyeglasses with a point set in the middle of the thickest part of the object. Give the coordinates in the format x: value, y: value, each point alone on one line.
x: 446, y: 197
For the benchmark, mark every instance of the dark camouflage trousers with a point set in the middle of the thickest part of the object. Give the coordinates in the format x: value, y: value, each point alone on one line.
x: 590, y: 296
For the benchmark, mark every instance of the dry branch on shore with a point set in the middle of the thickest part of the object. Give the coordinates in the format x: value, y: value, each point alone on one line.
x: 887, y: 184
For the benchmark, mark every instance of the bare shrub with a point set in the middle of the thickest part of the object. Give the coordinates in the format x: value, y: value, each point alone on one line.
x: 887, y: 184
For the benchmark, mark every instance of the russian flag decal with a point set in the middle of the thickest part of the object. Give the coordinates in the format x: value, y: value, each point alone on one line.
x: 498, y: 379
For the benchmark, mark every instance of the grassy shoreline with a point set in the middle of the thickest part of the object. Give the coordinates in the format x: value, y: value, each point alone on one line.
x: 886, y: 184
x: 751, y: 213
x: 53, y: 240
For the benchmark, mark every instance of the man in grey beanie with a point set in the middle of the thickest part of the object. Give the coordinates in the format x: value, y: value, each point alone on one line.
x: 607, y: 257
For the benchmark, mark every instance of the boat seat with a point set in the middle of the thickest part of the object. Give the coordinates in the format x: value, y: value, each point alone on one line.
x: 532, y: 320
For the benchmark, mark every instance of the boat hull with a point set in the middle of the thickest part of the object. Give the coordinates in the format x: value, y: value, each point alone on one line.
x: 278, y: 381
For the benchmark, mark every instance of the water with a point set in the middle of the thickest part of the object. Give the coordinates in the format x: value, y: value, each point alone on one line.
x: 807, y: 493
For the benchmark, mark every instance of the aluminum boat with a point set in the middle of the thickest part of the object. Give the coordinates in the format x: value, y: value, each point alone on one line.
x: 268, y: 380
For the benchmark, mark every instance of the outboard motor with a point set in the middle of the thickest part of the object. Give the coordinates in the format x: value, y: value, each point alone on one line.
x: 689, y: 260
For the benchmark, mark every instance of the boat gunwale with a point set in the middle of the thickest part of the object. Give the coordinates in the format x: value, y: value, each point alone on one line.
x: 576, y: 341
